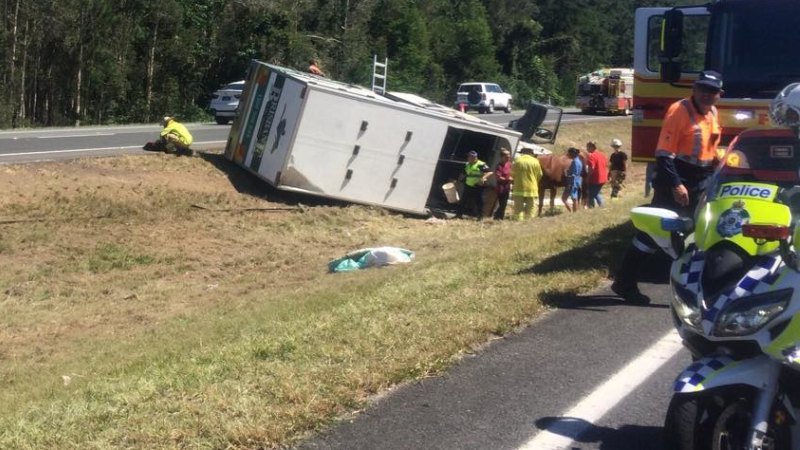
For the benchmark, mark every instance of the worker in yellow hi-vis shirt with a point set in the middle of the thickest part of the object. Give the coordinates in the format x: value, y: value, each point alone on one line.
x: 175, y: 138
x: 526, y: 172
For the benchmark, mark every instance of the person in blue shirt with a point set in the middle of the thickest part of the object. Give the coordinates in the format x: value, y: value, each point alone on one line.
x: 573, y: 181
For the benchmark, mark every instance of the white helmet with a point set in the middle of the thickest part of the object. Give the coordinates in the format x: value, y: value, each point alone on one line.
x: 165, y: 120
x: 785, y: 107
x: 616, y: 143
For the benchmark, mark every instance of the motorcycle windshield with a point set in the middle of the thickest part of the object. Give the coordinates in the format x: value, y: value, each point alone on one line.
x: 758, y: 166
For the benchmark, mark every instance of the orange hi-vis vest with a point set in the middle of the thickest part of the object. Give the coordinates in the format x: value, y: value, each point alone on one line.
x: 688, y: 135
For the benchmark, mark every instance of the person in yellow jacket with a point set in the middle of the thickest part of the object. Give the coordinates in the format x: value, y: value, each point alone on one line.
x: 475, y: 174
x: 175, y: 138
x: 526, y: 172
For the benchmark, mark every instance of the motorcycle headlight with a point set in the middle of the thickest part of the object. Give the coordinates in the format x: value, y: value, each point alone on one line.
x: 684, y: 302
x: 748, y: 315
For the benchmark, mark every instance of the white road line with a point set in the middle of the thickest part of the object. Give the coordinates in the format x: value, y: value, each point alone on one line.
x: 101, y: 149
x: 577, y: 420
x: 75, y: 135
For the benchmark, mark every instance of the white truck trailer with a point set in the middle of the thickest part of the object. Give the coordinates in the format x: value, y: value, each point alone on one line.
x: 309, y: 134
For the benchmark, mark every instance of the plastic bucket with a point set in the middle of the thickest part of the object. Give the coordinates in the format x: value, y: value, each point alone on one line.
x: 450, y: 192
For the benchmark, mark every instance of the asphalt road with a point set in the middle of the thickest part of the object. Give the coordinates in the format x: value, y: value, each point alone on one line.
x: 49, y: 144
x: 46, y: 144
x: 538, y: 389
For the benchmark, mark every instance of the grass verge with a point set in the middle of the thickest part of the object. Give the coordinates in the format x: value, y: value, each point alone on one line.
x: 132, y: 320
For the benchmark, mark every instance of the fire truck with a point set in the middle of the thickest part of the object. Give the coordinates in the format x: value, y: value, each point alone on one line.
x: 752, y: 43
x: 605, y: 90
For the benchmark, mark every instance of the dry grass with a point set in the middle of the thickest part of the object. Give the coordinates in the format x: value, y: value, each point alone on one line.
x: 132, y: 319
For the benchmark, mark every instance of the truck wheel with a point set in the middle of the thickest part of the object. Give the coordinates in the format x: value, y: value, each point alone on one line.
x: 222, y: 120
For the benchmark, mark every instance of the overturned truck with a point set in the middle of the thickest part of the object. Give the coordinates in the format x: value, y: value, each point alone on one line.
x: 305, y: 133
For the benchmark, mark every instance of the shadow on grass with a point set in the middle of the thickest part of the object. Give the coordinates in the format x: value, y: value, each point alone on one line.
x: 249, y: 184
x: 606, y: 250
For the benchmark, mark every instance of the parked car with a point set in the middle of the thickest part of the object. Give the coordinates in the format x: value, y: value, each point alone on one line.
x: 225, y: 101
x: 484, y: 97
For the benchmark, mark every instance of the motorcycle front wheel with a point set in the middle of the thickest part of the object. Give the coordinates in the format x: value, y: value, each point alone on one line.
x: 690, y: 421
x: 717, y: 422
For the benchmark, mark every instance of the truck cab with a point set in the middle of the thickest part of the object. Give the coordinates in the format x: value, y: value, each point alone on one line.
x: 752, y: 43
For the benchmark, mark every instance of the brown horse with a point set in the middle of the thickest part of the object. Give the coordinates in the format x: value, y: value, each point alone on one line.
x: 553, y: 169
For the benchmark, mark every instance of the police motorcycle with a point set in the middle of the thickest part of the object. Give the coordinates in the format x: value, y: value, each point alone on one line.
x: 735, y: 302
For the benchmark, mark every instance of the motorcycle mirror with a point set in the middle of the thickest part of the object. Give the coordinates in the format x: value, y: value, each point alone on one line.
x: 651, y: 221
x: 680, y: 224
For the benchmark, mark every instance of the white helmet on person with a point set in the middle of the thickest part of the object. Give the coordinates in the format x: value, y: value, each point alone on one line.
x: 616, y: 143
x: 785, y: 107
x: 166, y: 120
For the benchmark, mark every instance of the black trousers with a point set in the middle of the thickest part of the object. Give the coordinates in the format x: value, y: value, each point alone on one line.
x: 502, y: 203
x: 471, y: 200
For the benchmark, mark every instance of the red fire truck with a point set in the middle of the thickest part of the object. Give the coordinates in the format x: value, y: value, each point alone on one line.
x: 605, y: 90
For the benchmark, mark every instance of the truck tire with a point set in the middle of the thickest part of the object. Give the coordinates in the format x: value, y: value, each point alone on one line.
x: 222, y: 120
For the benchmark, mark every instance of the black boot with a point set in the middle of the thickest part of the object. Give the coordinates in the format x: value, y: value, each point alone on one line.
x: 625, y: 280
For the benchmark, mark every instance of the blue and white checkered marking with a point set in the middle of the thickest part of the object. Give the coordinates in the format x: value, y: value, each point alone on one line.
x: 765, y: 272
x: 692, y: 270
x: 792, y: 354
x: 693, y: 377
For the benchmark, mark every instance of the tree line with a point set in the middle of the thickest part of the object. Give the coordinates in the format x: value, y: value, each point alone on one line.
x: 78, y: 62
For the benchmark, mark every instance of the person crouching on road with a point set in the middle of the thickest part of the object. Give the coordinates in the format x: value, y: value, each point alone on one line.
x: 572, y: 181
x: 175, y: 138
x: 527, y: 172
x: 475, y: 174
x: 686, y: 154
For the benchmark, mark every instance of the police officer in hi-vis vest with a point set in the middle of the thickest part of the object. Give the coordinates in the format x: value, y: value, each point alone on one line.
x: 475, y: 174
x: 685, y: 157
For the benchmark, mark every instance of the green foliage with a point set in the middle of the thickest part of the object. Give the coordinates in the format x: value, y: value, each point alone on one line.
x: 99, y: 61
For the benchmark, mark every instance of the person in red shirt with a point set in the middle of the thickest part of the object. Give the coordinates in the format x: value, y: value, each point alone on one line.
x: 502, y: 174
x: 597, y: 174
